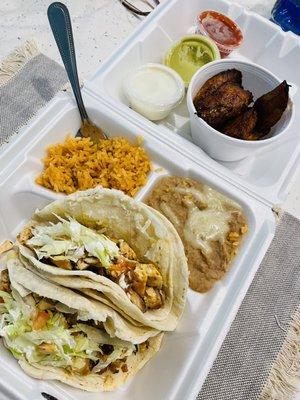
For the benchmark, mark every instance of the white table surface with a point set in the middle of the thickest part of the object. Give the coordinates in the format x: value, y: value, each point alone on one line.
x: 99, y: 27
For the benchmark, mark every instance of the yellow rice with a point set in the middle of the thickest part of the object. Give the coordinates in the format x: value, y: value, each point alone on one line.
x: 78, y: 164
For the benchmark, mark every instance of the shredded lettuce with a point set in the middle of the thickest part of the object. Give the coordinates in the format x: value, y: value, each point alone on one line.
x: 71, y: 346
x: 68, y: 239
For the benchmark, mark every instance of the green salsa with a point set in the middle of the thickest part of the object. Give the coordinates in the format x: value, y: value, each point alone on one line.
x: 190, y: 54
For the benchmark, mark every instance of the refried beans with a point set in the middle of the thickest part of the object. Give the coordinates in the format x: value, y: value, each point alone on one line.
x: 210, y: 225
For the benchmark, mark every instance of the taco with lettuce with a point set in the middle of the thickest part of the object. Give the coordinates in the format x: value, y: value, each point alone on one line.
x: 52, y: 340
x: 116, y: 250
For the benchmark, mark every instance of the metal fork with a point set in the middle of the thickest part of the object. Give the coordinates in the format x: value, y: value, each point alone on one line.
x: 60, y: 22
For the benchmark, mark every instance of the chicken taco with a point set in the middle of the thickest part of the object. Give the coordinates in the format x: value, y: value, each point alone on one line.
x: 26, y: 281
x: 114, y: 249
x: 52, y: 340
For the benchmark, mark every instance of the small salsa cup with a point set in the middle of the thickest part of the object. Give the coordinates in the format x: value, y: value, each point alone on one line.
x: 221, y: 29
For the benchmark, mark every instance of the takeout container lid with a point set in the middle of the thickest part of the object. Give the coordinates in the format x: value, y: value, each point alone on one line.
x: 263, y: 41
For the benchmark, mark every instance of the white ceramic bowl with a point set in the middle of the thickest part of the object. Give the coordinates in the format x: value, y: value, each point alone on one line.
x: 225, y: 148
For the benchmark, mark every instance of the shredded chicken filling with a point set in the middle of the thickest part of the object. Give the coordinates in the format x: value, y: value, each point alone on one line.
x: 142, y: 281
x: 33, y: 329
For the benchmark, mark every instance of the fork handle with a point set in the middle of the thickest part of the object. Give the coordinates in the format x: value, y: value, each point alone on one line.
x: 60, y: 22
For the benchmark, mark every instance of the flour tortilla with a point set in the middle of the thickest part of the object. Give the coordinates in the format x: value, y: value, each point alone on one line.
x: 88, y: 309
x: 148, y: 232
x: 95, y: 382
x: 75, y: 282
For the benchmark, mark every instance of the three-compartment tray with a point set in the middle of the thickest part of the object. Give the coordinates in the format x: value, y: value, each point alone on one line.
x: 186, y: 356
x: 266, y: 174
x: 180, y: 368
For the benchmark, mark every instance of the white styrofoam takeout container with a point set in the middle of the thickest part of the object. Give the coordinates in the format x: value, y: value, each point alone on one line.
x: 179, y: 369
x: 225, y: 148
x: 264, y: 44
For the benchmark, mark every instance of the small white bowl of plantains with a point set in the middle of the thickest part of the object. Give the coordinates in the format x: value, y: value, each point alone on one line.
x: 238, y: 108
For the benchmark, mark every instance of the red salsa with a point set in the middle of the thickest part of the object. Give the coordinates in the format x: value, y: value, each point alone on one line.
x: 221, y: 29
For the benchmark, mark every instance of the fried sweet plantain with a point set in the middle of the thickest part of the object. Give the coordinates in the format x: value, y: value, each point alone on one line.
x: 242, y: 126
x: 231, y: 75
x: 228, y: 101
x: 270, y: 108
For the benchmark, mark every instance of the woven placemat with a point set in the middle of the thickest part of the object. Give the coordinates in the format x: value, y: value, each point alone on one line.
x: 28, y: 81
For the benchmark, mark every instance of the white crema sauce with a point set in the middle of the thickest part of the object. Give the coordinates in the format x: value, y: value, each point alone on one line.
x: 211, y: 224
x: 154, y: 90
x: 154, y: 86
